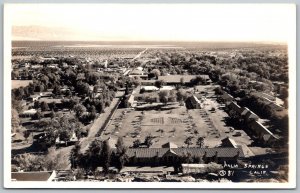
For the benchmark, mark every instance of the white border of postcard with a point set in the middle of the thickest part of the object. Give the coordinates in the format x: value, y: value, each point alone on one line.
x: 170, y: 185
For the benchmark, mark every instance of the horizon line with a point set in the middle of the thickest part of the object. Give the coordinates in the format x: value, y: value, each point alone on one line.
x: 179, y: 41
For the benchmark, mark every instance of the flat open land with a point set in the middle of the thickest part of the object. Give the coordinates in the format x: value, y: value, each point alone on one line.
x: 173, y: 125
x: 19, y: 83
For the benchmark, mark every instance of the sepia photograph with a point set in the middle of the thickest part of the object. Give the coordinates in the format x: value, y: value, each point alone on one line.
x: 150, y: 95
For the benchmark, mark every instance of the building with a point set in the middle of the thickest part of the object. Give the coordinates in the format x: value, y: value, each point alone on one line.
x: 73, y: 139
x: 47, y: 176
x: 264, y: 134
x: 130, y: 102
x: 250, y: 116
x: 193, y: 102
x: 28, y: 113
x: 273, y: 105
x: 148, y: 82
x: 226, y: 98
x: 169, y: 145
x: 34, y: 98
x: 233, y: 106
x: 169, y: 156
x: 229, y: 142
x: 182, y: 79
x: 149, y: 88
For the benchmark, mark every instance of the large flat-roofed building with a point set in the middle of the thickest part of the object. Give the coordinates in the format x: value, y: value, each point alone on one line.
x: 168, y: 156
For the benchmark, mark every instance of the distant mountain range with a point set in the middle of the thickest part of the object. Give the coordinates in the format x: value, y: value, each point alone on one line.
x: 41, y: 33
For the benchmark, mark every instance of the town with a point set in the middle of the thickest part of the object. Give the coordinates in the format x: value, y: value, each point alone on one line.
x: 149, y: 113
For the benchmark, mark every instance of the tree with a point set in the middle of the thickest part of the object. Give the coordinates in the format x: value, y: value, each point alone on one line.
x: 93, y: 158
x: 200, y: 142
x: 121, y: 155
x: 181, y: 95
x: 79, y: 110
x: 173, y: 131
x: 161, y: 132
x: 82, y: 88
x: 149, y: 140
x: 37, y: 116
x: 19, y: 93
x: 156, y: 72
x: 218, y: 91
x: 26, y: 134
x: 163, y: 96
x: 172, y: 97
x: 15, y: 120
x: 136, y: 143
x: 75, y: 156
x: 44, y: 106
x: 30, y: 162
x: 52, y: 114
x: 56, y: 90
x: 182, y: 81
x: 159, y: 83
x: 188, y: 141
x: 284, y: 93
x: 64, y: 135
x: 106, y: 156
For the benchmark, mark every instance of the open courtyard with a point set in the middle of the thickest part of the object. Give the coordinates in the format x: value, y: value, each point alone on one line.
x: 174, y: 125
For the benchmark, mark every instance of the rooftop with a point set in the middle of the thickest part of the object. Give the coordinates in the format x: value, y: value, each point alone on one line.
x: 210, y: 152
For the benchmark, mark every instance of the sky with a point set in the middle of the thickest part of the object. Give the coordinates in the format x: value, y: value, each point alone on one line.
x: 151, y: 22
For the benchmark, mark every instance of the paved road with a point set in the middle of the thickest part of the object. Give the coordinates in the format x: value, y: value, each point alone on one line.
x: 139, y: 54
x: 98, y: 123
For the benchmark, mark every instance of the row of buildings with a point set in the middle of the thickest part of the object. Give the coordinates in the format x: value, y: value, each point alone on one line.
x: 250, y: 120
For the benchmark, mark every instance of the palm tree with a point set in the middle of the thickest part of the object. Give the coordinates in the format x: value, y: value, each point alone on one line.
x: 188, y: 141
x: 200, y: 142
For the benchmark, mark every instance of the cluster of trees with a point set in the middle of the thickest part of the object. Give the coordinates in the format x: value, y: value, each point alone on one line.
x: 147, y: 142
x: 165, y: 96
x: 36, y: 162
x: 199, y: 142
x: 99, y: 154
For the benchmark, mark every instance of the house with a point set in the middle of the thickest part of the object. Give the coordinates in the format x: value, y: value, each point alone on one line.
x: 264, y: 134
x: 148, y: 82
x: 229, y: 142
x: 226, y: 97
x: 169, y: 145
x: 138, y: 72
x: 273, y: 105
x: 250, y: 116
x: 149, y: 88
x: 193, y: 102
x: 47, y: 176
x: 28, y: 113
x: 233, y: 106
x: 167, y: 88
x: 130, y: 102
x: 73, y: 139
x: 168, y: 156
x: 181, y: 79
x: 34, y: 97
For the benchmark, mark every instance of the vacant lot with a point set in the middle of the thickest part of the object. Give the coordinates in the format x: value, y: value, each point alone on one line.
x: 19, y: 83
